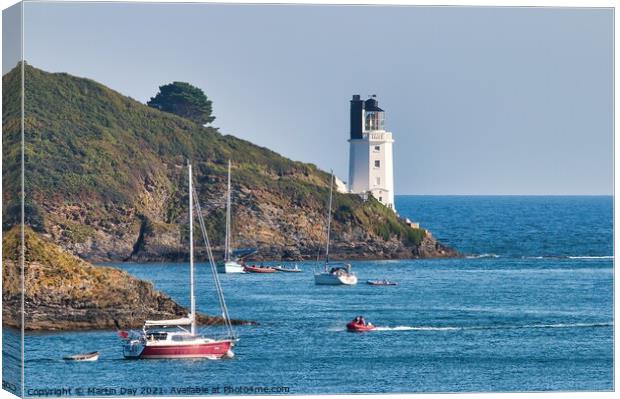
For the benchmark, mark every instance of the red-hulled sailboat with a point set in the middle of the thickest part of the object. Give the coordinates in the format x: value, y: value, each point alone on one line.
x: 177, y: 338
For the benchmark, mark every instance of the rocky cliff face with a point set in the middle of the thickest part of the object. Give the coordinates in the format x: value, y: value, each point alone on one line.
x: 64, y: 292
x: 282, y: 230
x: 106, y: 180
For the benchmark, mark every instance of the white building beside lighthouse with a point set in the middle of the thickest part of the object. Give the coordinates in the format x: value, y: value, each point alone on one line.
x: 370, y: 153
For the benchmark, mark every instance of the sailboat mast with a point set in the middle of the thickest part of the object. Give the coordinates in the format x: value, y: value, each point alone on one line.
x: 227, y: 245
x: 329, y: 218
x: 192, y: 298
x: 216, y: 279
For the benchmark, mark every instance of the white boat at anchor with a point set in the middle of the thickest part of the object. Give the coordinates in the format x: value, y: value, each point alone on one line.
x: 333, y: 275
x: 83, y: 357
x: 336, y: 275
x: 230, y: 264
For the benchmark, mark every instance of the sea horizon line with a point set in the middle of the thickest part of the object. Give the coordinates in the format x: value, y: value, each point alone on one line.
x: 504, y: 195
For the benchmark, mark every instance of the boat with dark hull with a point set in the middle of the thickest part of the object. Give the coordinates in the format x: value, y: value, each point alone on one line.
x: 285, y: 269
x: 177, y: 338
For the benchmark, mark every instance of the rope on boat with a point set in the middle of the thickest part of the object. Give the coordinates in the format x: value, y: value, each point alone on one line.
x: 216, y: 279
x: 329, y: 218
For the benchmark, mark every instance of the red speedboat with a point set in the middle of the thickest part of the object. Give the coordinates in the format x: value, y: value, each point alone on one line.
x: 259, y: 269
x: 359, y: 325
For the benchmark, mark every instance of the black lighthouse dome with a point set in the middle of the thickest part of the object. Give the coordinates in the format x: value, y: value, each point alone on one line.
x: 372, y: 105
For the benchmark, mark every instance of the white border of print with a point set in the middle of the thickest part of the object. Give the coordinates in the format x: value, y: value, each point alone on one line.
x: 479, y: 3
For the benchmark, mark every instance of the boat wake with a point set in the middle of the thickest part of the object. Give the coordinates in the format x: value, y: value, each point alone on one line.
x: 497, y: 327
x: 495, y: 256
x: 482, y: 256
x: 418, y: 328
x: 568, y: 257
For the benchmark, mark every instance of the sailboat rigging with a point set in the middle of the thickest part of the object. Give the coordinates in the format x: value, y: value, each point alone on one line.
x: 231, y: 264
x: 171, y: 338
x: 337, y: 274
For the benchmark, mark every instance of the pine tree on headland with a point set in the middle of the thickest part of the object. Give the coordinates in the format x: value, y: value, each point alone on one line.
x: 183, y: 99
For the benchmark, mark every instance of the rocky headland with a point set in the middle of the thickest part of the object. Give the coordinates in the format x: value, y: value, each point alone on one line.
x: 64, y: 292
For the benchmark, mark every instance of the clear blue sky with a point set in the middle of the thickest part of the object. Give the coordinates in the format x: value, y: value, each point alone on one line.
x: 480, y: 100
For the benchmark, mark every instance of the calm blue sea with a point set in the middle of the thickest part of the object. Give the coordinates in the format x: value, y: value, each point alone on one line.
x: 528, y: 309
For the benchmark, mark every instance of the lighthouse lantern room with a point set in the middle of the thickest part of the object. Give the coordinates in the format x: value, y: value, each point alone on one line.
x: 370, y: 152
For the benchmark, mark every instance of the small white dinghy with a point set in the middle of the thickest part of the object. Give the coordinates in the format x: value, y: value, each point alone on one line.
x: 83, y: 357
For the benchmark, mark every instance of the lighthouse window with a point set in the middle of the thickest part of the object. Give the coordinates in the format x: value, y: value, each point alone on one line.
x: 377, y: 164
x: 375, y: 120
x: 377, y: 148
x: 378, y: 181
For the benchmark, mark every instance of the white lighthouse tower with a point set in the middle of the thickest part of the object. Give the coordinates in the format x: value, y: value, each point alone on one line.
x: 370, y: 156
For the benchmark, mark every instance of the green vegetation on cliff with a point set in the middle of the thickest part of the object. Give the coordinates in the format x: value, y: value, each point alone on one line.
x: 185, y: 100
x: 90, y: 142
